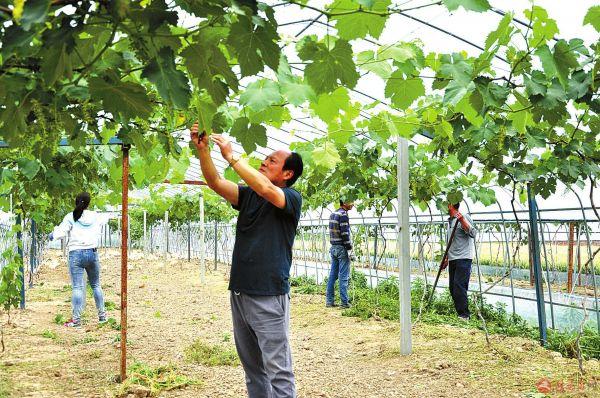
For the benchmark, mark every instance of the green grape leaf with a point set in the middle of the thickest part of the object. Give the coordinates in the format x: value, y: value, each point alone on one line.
x: 521, y: 119
x: 172, y: 84
x: 179, y: 167
x: 501, y: 36
x: 261, y: 94
x: 536, y: 83
x: 205, y: 112
x: 470, y: 5
x: 329, y: 65
x: 254, y: 46
x: 328, y: 105
x: 273, y: 115
x: 354, y: 25
x: 544, y: 28
x: 456, y: 91
x: 207, y: 63
x: 56, y: 64
x: 592, y: 17
x: 579, y: 84
x: 297, y: 92
x: 491, y: 94
x: 464, y: 106
x: 28, y: 167
x: 547, y: 59
x: 456, y: 67
x: 249, y: 136
x: 121, y: 98
x: 403, y: 92
x: 231, y: 175
x: 564, y: 60
x: 292, y: 87
x: 381, y: 67
x: 400, y: 52
x: 35, y: 11
x: 326, y: 156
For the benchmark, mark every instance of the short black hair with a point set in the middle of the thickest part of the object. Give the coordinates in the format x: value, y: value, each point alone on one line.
x: 294, y: 163
x: 456, y: 205
x: 341, y: 203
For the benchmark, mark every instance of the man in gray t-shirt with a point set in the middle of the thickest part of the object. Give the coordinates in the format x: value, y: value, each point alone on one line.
x: 460, y: 258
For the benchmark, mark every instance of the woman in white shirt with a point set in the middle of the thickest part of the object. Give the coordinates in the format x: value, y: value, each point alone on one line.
x: 82, y: 228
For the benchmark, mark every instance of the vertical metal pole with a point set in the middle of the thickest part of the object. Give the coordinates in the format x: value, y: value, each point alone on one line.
x: 375, y: 244
x: 202, y: 237
x: 305, y: 254
x: 189, y: 240
x: 166, y: 233
x: 21, y: 268
x: 216, y: 232
x: 543, y: 239
x: 32, y: 252
x: 570, y: 257
x: 403, y: 247
x: 128, y: 233
x: 144, y: 243
x: 124, y: 232
x: 537, y: 267
x: 508, y: 260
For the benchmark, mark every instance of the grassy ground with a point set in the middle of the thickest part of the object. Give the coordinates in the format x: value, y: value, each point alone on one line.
x: 180, y: 337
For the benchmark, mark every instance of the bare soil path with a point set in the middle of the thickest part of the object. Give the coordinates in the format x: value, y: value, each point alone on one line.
x: 334, y: 355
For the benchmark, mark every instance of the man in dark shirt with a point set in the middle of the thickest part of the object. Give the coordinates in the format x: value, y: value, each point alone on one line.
x: 341, y: 247
x: 460, y: 259
x: 262, y: 256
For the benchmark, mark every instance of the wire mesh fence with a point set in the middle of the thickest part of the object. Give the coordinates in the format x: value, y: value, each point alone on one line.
x: 502, y: 268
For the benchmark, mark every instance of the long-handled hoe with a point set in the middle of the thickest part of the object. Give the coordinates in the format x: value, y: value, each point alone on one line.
x: 437, y: 278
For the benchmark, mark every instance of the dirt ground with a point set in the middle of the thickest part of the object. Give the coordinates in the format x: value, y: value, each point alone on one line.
x: 334, y: 355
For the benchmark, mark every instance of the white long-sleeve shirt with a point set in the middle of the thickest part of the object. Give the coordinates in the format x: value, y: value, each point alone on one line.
x: 83, y: 233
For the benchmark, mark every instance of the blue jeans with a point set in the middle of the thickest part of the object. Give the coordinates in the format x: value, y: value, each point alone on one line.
x: 340, y: 266
x: 80, y: 261
x: 460, y: 273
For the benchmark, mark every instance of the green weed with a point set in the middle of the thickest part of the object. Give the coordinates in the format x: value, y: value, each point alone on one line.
x: 49, y: 334
x: 211, y: 355
x: 382, y: 302
x: 157, y: 379
x: 111, y: 323
x: 59, y: 319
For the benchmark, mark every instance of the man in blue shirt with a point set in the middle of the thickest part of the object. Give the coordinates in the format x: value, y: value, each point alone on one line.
x: 262, y: 256
x: 341, y: 248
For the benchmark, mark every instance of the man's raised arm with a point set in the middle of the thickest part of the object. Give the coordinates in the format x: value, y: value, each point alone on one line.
x: 223, y: 187
x: 258, y: 182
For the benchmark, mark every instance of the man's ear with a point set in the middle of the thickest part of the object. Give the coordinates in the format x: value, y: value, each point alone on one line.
x: 288, y: 174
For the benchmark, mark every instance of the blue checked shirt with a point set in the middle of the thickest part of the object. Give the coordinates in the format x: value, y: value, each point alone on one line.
x: 339, y: 229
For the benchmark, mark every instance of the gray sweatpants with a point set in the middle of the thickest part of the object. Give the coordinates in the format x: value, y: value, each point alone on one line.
x: 261, y: 333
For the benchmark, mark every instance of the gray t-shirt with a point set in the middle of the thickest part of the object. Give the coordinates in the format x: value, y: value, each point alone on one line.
x: 463, y: 245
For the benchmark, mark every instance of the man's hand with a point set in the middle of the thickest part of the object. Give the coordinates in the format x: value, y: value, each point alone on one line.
x: 351, y: 255
x: 224, y: 145
x: 445, y: 262
x: 460, y: 218
x: 454, y: 213
x: 199, y: 140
